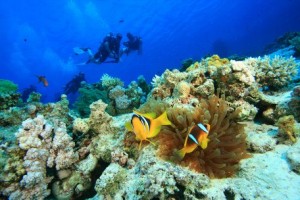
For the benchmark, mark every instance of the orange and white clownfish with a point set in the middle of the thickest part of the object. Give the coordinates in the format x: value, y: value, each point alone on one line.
x: 43, y: 80
x: 146, y: 125
x: 197, y: 136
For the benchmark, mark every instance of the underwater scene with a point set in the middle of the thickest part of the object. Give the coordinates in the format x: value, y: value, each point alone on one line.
x: 169, y: 100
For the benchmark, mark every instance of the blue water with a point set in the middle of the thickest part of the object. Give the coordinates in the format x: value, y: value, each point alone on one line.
x: 38, y: 37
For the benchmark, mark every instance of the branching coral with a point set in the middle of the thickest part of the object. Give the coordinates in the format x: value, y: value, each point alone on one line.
x: 273, y: 73
x: 227, y: 145
x: 110, y: 82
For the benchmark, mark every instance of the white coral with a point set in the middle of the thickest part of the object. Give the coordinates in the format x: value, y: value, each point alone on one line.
x: 81, y: 125
x: 122, y: 102
x: 116, y: 92
x: 110, y: 82
x: 243, y: 72
x: 275, y: 72
x: 35, y: 136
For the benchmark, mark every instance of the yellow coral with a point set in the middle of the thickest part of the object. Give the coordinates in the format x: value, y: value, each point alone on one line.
x: 182, y: 89
x: 287, y: 126
x: 193, y: 66
x: 81, y: 125
x: 215, y: 60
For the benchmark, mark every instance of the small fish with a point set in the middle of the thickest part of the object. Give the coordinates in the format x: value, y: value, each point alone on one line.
x: 121, y: 20
x: 146, y: 125
x: 43, y: 80
x: 197, y: 136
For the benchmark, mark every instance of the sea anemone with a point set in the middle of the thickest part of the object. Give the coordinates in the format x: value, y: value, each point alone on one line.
x: 227, y: 139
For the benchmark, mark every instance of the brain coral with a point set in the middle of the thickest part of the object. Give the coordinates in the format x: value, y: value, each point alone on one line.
x: 227, y: 145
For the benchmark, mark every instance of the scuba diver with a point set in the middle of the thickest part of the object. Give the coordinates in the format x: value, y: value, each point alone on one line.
x: 73, y: 85
x: 134, y: 43
x: 109, y: 48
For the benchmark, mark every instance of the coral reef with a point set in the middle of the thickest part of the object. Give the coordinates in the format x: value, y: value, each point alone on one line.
x: 293, y: 156
x: 111, y: 90
x: 273, y: 73
x: 240, y: 81
x: 288, y: 40
x: 88, y: 93
x: 294, y: 103
x: 287, y: 127
x: 110, y: 82
x: 27, y: 91
x: 73, y: 85
x: 227, y: 139
x: 149, y: 178
x: 56, y: 153
x: 34, y: 97
x: 42, y: 150
x: 81, y: 125
x: 9, y: 96
x: 7, y: 87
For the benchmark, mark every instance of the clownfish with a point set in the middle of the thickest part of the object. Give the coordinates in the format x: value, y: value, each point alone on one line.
x: 43, y: 80
x: 197, y: 136
x: 146, y: 125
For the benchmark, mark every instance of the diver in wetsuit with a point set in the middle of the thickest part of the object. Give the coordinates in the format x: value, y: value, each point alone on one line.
x: 134, y: 43
x: 109, y: 48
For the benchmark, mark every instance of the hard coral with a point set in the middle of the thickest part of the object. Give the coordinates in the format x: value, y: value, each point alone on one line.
x: 110, y: 82
x: 227, y: 145
x: 273, y: 73
x: 287, y: 127
x: 7, y: 87
x: 8, y: 94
